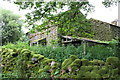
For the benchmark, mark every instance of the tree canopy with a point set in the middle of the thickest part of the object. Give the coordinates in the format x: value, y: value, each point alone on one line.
x: 71, y: 21
x: 10, y: 26
x: 44, y: 10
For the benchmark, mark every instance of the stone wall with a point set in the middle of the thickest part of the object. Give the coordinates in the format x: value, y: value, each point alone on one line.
x: 23, y: 63
x: 105, y: 31
x: 115, y: 31
x: 52, y: 35
x: 48, y: 34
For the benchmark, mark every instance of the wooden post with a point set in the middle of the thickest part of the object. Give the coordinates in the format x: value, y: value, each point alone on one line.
x: 84, y: 47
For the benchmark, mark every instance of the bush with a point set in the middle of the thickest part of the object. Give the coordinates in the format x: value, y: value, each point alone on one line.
x: 60, y: 53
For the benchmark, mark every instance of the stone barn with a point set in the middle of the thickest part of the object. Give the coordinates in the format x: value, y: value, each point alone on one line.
x: 44, y: 37
x: 102, y: 32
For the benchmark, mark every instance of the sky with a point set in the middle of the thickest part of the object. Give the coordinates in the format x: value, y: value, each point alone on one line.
x: 104, y: 14
x: 101, y: 13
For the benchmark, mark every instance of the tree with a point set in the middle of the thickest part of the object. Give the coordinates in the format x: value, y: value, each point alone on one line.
x: 10, y: 26
x: 44, y: 10
x: 70, y: 22
x: 109, y: 3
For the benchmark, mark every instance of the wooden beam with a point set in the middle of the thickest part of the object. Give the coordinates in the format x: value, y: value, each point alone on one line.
x: 84, y: 39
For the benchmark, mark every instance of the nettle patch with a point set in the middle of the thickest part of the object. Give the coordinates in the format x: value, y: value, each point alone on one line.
x: 23, y: 63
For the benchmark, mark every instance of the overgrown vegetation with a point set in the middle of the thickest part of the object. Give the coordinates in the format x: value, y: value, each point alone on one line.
x: 23, y: 63
x: 70, y: 22
x: 67, y: 15
x: 19, y: 60
x: 59, y: 53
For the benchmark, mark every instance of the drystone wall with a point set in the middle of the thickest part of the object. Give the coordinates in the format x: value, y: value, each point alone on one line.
x: 23, y: 63
x: 104, y: 31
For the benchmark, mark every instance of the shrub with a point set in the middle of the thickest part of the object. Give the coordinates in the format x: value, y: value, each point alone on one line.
x: 60, y: 53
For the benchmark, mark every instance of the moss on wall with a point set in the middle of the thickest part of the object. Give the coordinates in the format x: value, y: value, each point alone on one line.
x: 104, y: 31
x: 22, y: 63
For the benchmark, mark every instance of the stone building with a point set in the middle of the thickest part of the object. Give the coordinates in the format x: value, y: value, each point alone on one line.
x: 102, y: 32
x: 105, y: 31
x: 44, y: 37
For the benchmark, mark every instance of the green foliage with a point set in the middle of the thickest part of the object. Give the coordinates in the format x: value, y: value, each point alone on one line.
x: 17, y: 45
x: 60, y: 53
x: 44, y: 75
x: 29, y: 66
x: 11, y: 26
x: 43, y: 10
x: 115, y: 44
x: 100, y: 51
x: 109, y: 3
x: 114, y: 61
x: 84, y: 62
x: 71, y: 22
x: 17, y: 66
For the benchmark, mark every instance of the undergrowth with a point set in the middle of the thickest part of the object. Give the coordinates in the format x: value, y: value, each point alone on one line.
x: 60, y: 53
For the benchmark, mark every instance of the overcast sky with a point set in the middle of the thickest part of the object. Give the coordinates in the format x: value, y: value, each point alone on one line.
x: 101, y: 13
